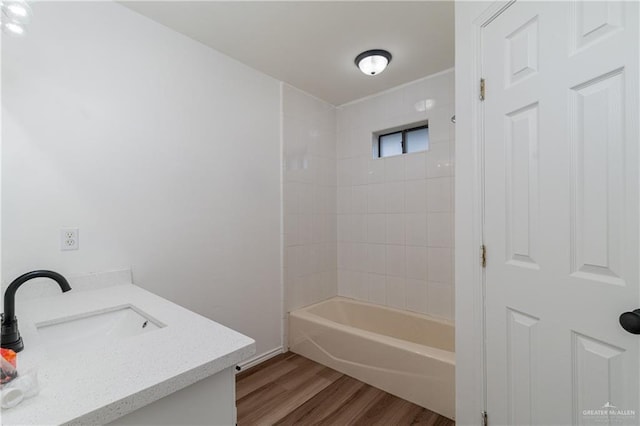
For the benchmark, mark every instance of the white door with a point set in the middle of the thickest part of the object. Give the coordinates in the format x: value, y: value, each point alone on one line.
x: 561, y: 213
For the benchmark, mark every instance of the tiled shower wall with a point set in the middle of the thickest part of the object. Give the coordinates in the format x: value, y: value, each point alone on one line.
x: 309, y: 194
x: 395, y: 215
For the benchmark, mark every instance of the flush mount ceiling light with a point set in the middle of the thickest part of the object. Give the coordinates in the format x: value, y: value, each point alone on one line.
x: 16, y: 14
x: 373, y: 62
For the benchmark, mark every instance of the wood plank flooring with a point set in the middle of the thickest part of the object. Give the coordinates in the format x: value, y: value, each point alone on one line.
x: 292, y: 390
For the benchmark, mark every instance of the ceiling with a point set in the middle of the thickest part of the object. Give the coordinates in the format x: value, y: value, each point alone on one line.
x: 312, y: 45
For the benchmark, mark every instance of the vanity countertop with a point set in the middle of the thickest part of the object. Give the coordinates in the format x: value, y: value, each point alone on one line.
x: 100, y: 384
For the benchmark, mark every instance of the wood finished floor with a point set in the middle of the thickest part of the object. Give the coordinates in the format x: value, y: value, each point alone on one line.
x: 292, y: 390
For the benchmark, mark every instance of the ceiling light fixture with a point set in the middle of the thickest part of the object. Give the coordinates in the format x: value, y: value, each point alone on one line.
x: 15, y: 14
x: 374, y: 61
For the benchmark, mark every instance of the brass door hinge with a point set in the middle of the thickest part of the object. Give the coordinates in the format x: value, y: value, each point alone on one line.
x: 482, y: 89
x: 483, y: 255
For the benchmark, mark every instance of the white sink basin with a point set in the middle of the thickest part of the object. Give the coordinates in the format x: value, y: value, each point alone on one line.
x: 95, y: 329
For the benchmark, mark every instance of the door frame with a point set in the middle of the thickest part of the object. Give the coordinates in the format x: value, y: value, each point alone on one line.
x: 470, y: 19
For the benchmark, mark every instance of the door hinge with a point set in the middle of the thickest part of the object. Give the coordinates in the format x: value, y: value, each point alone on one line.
x: 483, y: 255
x: 485, y: 419
x: 482, y: 89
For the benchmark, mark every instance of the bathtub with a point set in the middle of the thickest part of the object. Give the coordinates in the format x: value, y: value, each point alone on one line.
x: 408, y: 355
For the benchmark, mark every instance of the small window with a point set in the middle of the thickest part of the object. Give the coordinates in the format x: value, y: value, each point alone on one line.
x: 404, y: 141
x: 390, y: 144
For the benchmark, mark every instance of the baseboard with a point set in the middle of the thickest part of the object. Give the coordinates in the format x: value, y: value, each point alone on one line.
x: 260, y: 358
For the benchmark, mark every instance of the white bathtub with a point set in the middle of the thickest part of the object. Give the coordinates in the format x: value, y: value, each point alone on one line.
x: 405, y: 354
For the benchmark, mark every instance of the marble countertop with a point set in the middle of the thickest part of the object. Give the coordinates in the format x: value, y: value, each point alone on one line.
x: 99, y: 384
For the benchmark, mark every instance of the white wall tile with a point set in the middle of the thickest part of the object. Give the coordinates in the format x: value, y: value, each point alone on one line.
x: 310, y: 259
x: 416, y: 291
x: 332, y: 227
x: 350, y: 256
x: 440, y: 230
x: 440, y: 300
x: 342, y: 260
x: 330, y: 256
x: 324, y: 256
x: 440, y: 195
x: 359, y: 199
x: 395, y: 261
x: 408, y: 199
x: 376, y: 228
x: 391, y: 104
x: 290, y: 198
x: 305, y: 286
x: 318, y: 205
x: 329, y: 287
x: 293, y: 102
x: 416, y: 258
x: 414, y: 97
x: 345, y: 172
x: 360, y: 257
x: 332, y: 172
x: 325, y: 169
x: 342, y: 143
x: 360, y: 285
x: 352, y: 147
x: 344, y: 199
x: 376, y: 198
x: 305, y: 228
x: 294, y: 259
x: 313, y: 169
x: 378, y: 289
x: 362, y: 143
x: 394, y: 168
x: 372, y: 112
x: 415, y: 166
x: 291, y: 133
x: 291, y: 229
x: 396, y: 292
x: 415, y: 193
x: 395, y: 228
x: 376, y: 258
x: 440, y: 123
x: 311, y: 203
x: 325, y: 200
x: 394, y: 197
x: 306, y: 172
x: 360, y: 170
x: 344, y: 230
x: 318, y: 229
x: 439, y: 160
x: 345, y: 283
x: 295, y: 291
x: 440, y: 265
x: 416, y: 229
x: 305, y: 198
x: 376, y: 171
x: 358, y: 226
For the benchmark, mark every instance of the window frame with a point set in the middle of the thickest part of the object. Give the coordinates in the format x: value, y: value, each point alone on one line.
x: 403, y: 132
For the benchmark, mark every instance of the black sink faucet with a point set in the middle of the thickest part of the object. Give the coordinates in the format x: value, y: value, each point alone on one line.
x: 10, y: 338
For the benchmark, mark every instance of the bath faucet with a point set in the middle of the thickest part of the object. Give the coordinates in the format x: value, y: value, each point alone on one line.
x: 10, y: 338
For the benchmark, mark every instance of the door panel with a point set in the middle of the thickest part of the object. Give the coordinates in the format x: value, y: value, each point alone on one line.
x: 522, y: 340
x: 597, y: 178
x: 521, y: 147
x: 561, y: 212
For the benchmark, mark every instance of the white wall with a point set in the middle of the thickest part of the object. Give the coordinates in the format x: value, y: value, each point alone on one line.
x: 165, y: 153
x: 309, y: 197
x: 395, y: 215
